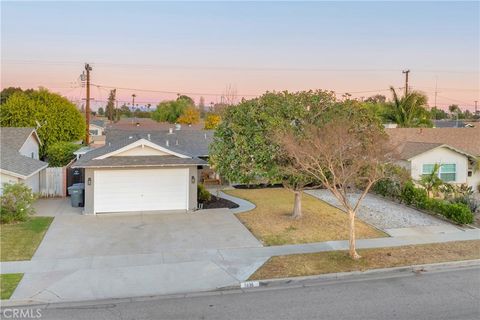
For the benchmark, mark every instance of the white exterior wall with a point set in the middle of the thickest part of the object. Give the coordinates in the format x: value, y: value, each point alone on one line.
x: 100, y: 130
x: 30, y: 146
x: 474, y: 181
x: 34, y: 182
x: 6, y: 178
x: 441, y: 156
x: 141, y: 151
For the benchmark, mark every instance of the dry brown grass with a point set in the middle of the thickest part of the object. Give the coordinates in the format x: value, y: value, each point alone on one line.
x: 271, y: 223
x: 338, y: 261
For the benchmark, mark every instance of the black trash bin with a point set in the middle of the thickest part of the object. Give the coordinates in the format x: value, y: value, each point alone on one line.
x: 77, y: 194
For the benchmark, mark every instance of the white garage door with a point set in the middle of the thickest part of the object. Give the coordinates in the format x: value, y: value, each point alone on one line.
x: 140, y: 190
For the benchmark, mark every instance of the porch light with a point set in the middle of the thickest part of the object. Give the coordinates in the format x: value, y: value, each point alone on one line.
x: 89, y: 181
x: 193, y: 179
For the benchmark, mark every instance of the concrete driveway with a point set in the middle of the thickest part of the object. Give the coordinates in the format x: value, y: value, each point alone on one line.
x: 123, y: 255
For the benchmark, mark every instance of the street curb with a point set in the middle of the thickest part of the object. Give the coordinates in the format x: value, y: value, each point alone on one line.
x: 265, y: 284
x: 361, y: 275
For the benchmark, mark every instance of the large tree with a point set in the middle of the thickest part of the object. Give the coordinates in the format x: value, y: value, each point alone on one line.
x: 345, y: 154
x: 245, y: 149
x: 409, y: 111
x: 170, y: 111
x: 189, y: 116
x: 55, y: 118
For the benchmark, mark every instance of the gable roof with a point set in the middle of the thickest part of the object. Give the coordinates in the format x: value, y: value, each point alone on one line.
x: 413, y: 149
x: 11, y: 161
x: 104, y: 156
x: 190, y: 142
x: 98, y: 123
x: 466, y: 140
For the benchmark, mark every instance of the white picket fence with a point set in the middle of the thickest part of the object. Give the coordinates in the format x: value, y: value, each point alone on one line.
x: 52, y: 182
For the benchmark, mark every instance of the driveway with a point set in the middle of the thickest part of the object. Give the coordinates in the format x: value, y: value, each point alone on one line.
x: 122, y: 255
x: 393, y: 218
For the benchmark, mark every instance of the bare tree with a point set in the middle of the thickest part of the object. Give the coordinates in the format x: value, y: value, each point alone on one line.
x: 229, y: 96
x: 344, y: 156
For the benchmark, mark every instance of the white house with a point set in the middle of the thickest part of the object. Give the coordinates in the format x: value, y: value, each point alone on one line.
x: 19, y: 157
x: 456, y: 150
x: 139, y: 172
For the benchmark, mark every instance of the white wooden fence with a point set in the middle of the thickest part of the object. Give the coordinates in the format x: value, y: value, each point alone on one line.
x: 52, y: 182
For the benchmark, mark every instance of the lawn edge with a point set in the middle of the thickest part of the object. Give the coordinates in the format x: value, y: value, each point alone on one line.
x: 416, y: 268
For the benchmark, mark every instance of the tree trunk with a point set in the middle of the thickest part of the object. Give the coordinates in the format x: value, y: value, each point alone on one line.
x: 297, y: 205
x: 351, y: 242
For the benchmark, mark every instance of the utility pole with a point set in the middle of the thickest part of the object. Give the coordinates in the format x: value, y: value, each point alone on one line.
x: 133, y: 100
x: 406, y: 72
x: 436, y: 82
x: 476, y: 111
x: 88, y: 68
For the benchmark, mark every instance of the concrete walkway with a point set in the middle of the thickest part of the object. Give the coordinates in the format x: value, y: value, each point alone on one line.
x: 243, y: 205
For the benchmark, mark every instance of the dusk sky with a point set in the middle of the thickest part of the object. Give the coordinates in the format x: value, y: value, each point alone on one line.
x: 200, y: 48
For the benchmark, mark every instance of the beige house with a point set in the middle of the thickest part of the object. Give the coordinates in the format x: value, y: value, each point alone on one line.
x: 136, y: 174
x: 456, y: 150
x: 19, y: 157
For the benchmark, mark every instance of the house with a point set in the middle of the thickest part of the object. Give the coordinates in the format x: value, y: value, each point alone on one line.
x: 138, y: 171
x: 457, y: 150
x: 19, y: 157
x: 96, y: 127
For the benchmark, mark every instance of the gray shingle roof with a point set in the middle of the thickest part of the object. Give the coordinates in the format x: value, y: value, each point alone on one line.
x: 88, y: 160
x: 12, y: 139
x: 98, y: 122
x: 190, y: 142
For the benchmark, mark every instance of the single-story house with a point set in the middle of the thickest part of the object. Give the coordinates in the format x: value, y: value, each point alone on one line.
x: 96, y: 127
x: 19, y: 157
x: 456, y: 150
x: 143, y: 172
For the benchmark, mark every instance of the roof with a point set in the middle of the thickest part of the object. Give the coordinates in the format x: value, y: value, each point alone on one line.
x: 412, y: 149
x: 466, y: 140
x: 191, y: 142
x: 11, y: 161
x: 448, y: 124
x: 98, y: 123
x: 89, y: 159
x: 147, y: 124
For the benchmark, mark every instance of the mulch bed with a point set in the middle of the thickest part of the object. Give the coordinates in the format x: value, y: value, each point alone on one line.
x: 257, y: 186
x: 216, y: 203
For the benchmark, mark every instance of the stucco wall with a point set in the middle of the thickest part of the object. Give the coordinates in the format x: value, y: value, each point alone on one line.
x: 34, y: 182
x: 30, y: 146
x: 141, y: 151
x: 474, y: 181
x: 5, y: 178
x: 89, y: 189
x: 441, y: 156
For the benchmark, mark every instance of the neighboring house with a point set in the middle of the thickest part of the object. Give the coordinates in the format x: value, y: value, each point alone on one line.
x: 19, y: 157
x: 143, y: 172
x: 97, y: 132
x: 449, y: 124
x: 455, y: 149
x: 96, y: 127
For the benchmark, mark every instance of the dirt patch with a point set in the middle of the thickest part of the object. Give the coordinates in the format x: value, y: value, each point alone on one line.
x: 217, y: 203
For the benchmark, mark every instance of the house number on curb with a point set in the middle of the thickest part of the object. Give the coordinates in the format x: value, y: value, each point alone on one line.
x: 249, y: 284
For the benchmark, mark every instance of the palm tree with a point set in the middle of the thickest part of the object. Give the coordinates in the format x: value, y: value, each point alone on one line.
x: 409, y: 111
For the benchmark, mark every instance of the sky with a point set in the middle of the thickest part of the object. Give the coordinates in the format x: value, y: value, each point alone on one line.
x: 158, y: 49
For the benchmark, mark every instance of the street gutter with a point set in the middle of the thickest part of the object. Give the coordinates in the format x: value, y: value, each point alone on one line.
x: 264, y: 285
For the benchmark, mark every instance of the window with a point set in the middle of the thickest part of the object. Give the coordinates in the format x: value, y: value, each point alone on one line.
x: 448, y: 172
x: 427, y: 168
x: 94, y: 132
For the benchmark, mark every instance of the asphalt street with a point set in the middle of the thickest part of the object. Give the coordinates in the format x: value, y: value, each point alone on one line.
x: 447, y: 294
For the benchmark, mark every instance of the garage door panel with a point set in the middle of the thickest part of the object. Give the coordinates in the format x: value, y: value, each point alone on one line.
x: 140, y: 190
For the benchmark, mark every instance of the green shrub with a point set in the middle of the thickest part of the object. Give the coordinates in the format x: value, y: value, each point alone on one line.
x: 16, y: 202
x: 457, y: 212
x: 60, y: 153
x: 202, y: 194
x: 387, y: 188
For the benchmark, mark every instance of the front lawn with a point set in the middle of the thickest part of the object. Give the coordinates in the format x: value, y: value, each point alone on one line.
x: 298, y: 265
x: 8, y: 284
x: 20, y: 240
x: 271, y: 223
